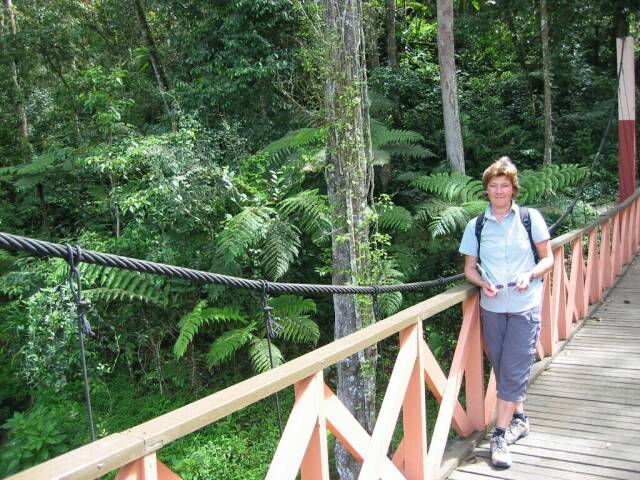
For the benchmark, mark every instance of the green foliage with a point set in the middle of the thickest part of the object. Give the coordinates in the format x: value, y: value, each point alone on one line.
x: 113, y: 284
x: 451, y: 186
x: 290, y: 312
x: 280, y: 248
x: 228, y: 343
x: 261, y: 358
x: 310, y: 210
x: 39, y: 434
x: 394, y: 218
x: 243, y: 230
x: 201, y: 315
x: 550, y: 180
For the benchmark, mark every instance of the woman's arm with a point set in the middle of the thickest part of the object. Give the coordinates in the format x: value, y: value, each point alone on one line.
x: 545, y: 263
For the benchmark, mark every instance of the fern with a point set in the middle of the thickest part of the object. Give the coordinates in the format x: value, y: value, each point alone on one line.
x: 390, y: 303
x: 292, y: 306
x: 310, y: 210
x: 259, y: 355
x: 410, y: 151
x: 300, y: 329
x: 443, y: 217
x: 280, y: 248
x: 229, y: 343
x: 190, y: 324
x: 454, y: 186
x: 381, y: 135
x: 395, y: 218
x: 536, y: 185
x: 243, y: 231
x: 294, y: 142
x: 112, y: 284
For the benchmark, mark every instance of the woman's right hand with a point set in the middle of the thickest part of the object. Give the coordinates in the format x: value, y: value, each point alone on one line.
x: 489, y: 290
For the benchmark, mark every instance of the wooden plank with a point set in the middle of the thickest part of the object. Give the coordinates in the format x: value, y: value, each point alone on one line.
x: 562, y: 404
x: 565, y: 466
x: 555, y: 428
x: 597, y: 448
x: 611, y: 421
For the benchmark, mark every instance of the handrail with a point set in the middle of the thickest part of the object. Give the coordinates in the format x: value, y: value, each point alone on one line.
x: 565, y: 299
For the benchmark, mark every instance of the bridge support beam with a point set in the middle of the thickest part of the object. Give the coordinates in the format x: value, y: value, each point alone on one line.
x: 626, y: 118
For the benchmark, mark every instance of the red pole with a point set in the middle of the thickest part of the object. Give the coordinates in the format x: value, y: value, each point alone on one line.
x: 626, y: 118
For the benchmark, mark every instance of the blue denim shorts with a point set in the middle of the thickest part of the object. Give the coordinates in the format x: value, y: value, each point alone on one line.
x: 511, y: 343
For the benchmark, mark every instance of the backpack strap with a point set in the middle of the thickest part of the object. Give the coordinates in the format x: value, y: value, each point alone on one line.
x: 525, y: 218
x: 479, y: 225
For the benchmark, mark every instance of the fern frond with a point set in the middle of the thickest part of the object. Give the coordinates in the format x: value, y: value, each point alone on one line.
x: 448, y: 220
x: 390, y: 303
x: 294, y: 141
x: 451, y: 186
x: 310, y: 211
x: 395, y: 219
x: 410, y: 151
x: 229, y: 343
x: 382, y: 136
x: 112, y: 284
x: 379, y: 105
x: 280, y: 248
x: 300, y: 329
x: 191, y: 323
x: 259, y: 355
x: 292, y: 306
x: 538, y: 184
x: 243, y: 231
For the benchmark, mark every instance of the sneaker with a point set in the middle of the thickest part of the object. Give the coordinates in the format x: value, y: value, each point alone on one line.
x: 517, y: 429
x: 500, y: 456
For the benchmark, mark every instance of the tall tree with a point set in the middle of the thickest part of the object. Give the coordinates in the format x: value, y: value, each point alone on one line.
x: 154, y: 57
x: 548, y: 117
x: 349, y: 181
x: 21, y: 114
x: 392, y: 48
x: 449, y: 86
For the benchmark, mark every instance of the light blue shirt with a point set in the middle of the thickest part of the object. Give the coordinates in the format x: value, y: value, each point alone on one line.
x: 506, y: 253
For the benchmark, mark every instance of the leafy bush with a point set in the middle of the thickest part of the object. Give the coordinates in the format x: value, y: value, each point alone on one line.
x: 39, y: 434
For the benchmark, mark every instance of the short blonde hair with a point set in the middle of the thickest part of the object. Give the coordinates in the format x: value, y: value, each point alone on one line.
x: 503, y: 167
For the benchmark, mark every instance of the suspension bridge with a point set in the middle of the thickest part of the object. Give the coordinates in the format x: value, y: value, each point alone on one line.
x: 583, y: 404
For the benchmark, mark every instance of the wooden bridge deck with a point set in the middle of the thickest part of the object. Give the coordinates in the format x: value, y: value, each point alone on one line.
x: 585, y: 408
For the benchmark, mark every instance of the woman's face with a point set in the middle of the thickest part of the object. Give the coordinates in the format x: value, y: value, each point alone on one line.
x: 500, y: 192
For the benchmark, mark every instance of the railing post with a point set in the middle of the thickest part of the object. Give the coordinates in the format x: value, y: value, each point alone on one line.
x: 548, y: 332
x: 616, y: 248
x: 559, y: 297
x: 606, y: 269
x: 146, y: 468
x: 576, y: 298
x: 474, y: 371
x: 636, y: 230
x: 592, y: 278
x: 414, y: 413
x: 303, y: 442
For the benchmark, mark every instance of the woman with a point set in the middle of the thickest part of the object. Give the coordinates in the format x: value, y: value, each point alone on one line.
x: 503, y: 265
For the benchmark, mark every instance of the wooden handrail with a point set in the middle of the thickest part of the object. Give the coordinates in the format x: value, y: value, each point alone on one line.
x: 569, y: 298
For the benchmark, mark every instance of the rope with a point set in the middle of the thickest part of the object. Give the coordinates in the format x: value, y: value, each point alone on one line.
x: 48, y: 249
x: 74, y: 258
x: 268, y: 323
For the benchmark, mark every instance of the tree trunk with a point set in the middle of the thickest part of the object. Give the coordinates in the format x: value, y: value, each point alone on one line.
x: 373, y: 30
x: 548, y: 118
x: 392, y: 48
x: 349, y: 181
x: 448, y: 81
x: 21, y: 114
x: 161, y: 78
x: 522, y: 61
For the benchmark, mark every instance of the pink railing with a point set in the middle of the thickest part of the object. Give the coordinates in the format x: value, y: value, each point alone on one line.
x: 611, y: 243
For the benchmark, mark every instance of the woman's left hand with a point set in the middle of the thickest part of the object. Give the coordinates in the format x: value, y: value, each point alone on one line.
x: 523, y: 281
